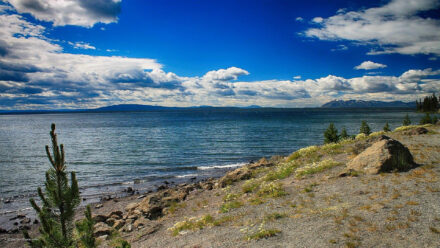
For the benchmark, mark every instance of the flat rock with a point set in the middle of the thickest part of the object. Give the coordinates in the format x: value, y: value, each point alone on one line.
x: 384, y: 155
x: 102, y: 229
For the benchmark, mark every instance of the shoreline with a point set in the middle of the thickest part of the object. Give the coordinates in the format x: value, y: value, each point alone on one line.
x: 320, y: 202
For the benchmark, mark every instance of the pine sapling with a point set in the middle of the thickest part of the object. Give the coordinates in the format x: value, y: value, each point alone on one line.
x: 386, y: 128
x: 59, y: 201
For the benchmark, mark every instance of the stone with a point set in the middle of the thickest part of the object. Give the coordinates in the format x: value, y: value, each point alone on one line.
x: 110, y: 221
x: 417, y: 131
x: 140, y: 222
x: 128, y: 228
x: 385, y: 155
x: 234, y: 176
x: 25, y: 221
x: 116, y: 214
x: 98, y: 206
x: 260, y: 163
x: 118, y: 224
x: 99, y: 218
x: 131, y: 206
x: 101, y: 229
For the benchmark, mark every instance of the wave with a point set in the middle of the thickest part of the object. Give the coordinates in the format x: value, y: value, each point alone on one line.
x: 221, y: 166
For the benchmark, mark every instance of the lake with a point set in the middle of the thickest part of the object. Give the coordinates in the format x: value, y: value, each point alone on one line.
x: 112, y: 151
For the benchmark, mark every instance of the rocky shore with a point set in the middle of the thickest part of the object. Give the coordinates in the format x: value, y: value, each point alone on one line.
x: 377, y: 191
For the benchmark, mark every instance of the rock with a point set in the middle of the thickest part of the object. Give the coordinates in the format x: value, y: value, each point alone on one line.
x: 36, y: 221
x: 115, y: 200
x: 98, y: 206
x: 24, y: 227
x: 133, y: 217
x: 110, y: 221
x: 140, y: 222
x: 128, y: 228
x: 206, y: 185
x: 25, y: 221
x: 3, y: 230
x: 116, y: 214
x: 131, y: 206
x: 162, y: 187
x: 8, y: 201
x: 234, y: 176
x: 118, y: 224
x: 129, y: 190
x: 103, y: 237
x: 101, y: 229
x: 383, y: 156
x: 417, y: 131
x: 99, y: 218
x: 141, y: 196
x: 260, y: 163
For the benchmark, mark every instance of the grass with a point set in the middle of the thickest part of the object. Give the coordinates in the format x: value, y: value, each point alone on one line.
x: 404, y: 128
x: 332, y: 148
x: 309, y: 188
x: 303, y: 152
x: 263, y: 234
x: 315, y: 168
x: 283, y: 170
x: 194, y: 224
x: 272, y: 189
x: 249, y: 186
x: 228, y: 206
x: 175, y: 206
x: 274, y: 216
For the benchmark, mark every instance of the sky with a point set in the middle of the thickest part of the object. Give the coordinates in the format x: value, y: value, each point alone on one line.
x: 75, y: 54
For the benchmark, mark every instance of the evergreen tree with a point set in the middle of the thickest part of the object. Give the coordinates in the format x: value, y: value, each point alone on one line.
x: 406, y: 121
x: 331, y: 134
x: 426, y: 119
x: 386, y: 128
x: 58, y: 202
x: 365, y: 129
x: 85, y: 229
x: 344, y: 134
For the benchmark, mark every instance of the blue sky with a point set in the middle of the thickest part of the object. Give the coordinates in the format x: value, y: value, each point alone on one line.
x: 85, y: 54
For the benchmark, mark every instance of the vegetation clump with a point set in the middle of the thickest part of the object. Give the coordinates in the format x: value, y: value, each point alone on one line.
x: 331, y: 134
x: 315, y: 168
x: 406, y: 121
x: 386, y: 128
x: 303, y: 152
x: 365, y: 129
x: 272, y: 189
x: 59, y: 201
x: 429, y: 104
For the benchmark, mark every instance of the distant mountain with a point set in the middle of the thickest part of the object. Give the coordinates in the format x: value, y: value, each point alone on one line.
x: 129, y: 107
x: 368, y: 104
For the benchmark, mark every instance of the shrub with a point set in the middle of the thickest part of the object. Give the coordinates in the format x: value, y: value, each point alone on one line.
x: 344, y: 134
x: 303, y: 152
x: 386, y: 128
x: 365, y: 129
x: 426, y: 119
x: 406, y: 121
x: 284, y: 170
x: 331, y: 134
x: 272, y: 189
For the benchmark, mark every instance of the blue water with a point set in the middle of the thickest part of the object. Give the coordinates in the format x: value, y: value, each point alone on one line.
x: 141, y: 149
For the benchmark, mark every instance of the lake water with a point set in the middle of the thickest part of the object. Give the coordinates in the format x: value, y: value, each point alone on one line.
x: 111, y: 151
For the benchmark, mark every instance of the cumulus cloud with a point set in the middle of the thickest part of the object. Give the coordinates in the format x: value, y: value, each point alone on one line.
x: 369, y: 65
x: 82, y: 45
x: 299, y: 19
x: 84, y: 13
x: 396, y: 27
x: 36, y: 73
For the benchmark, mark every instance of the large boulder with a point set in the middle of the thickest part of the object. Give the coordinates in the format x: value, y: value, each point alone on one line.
x: 417, y: 131
x: 102, y: 229
x: 385, y: 155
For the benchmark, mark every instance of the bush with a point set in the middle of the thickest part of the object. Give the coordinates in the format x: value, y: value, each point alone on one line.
x: 365, y: 129
x: 406, y: 121
x: 386, y: 128
x: 344, y: 134
x: 426, y: 119
x: 331, y: 134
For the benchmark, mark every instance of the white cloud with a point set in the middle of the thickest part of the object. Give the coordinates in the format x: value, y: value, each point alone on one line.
x: 82, y: 45
x: 369, y: 65
x: 299, y: 19
x: 35, y: 72
x: 318, y: 19
x: 395, y: 27
x: 84, y: 13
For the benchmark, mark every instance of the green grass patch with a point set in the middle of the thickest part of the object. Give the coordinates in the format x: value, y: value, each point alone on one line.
x: 175, y: 206
x: 274, y: 216
x: 197, y: 224
x: 303, y: 152
x: 263, y: 234
x: 309, y: 188
x: 228, y: 206
x: 272, y: 189
x: 315, y: 168
x: 282, y: 171
x: 332, y: 148
x: 249, y: 186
